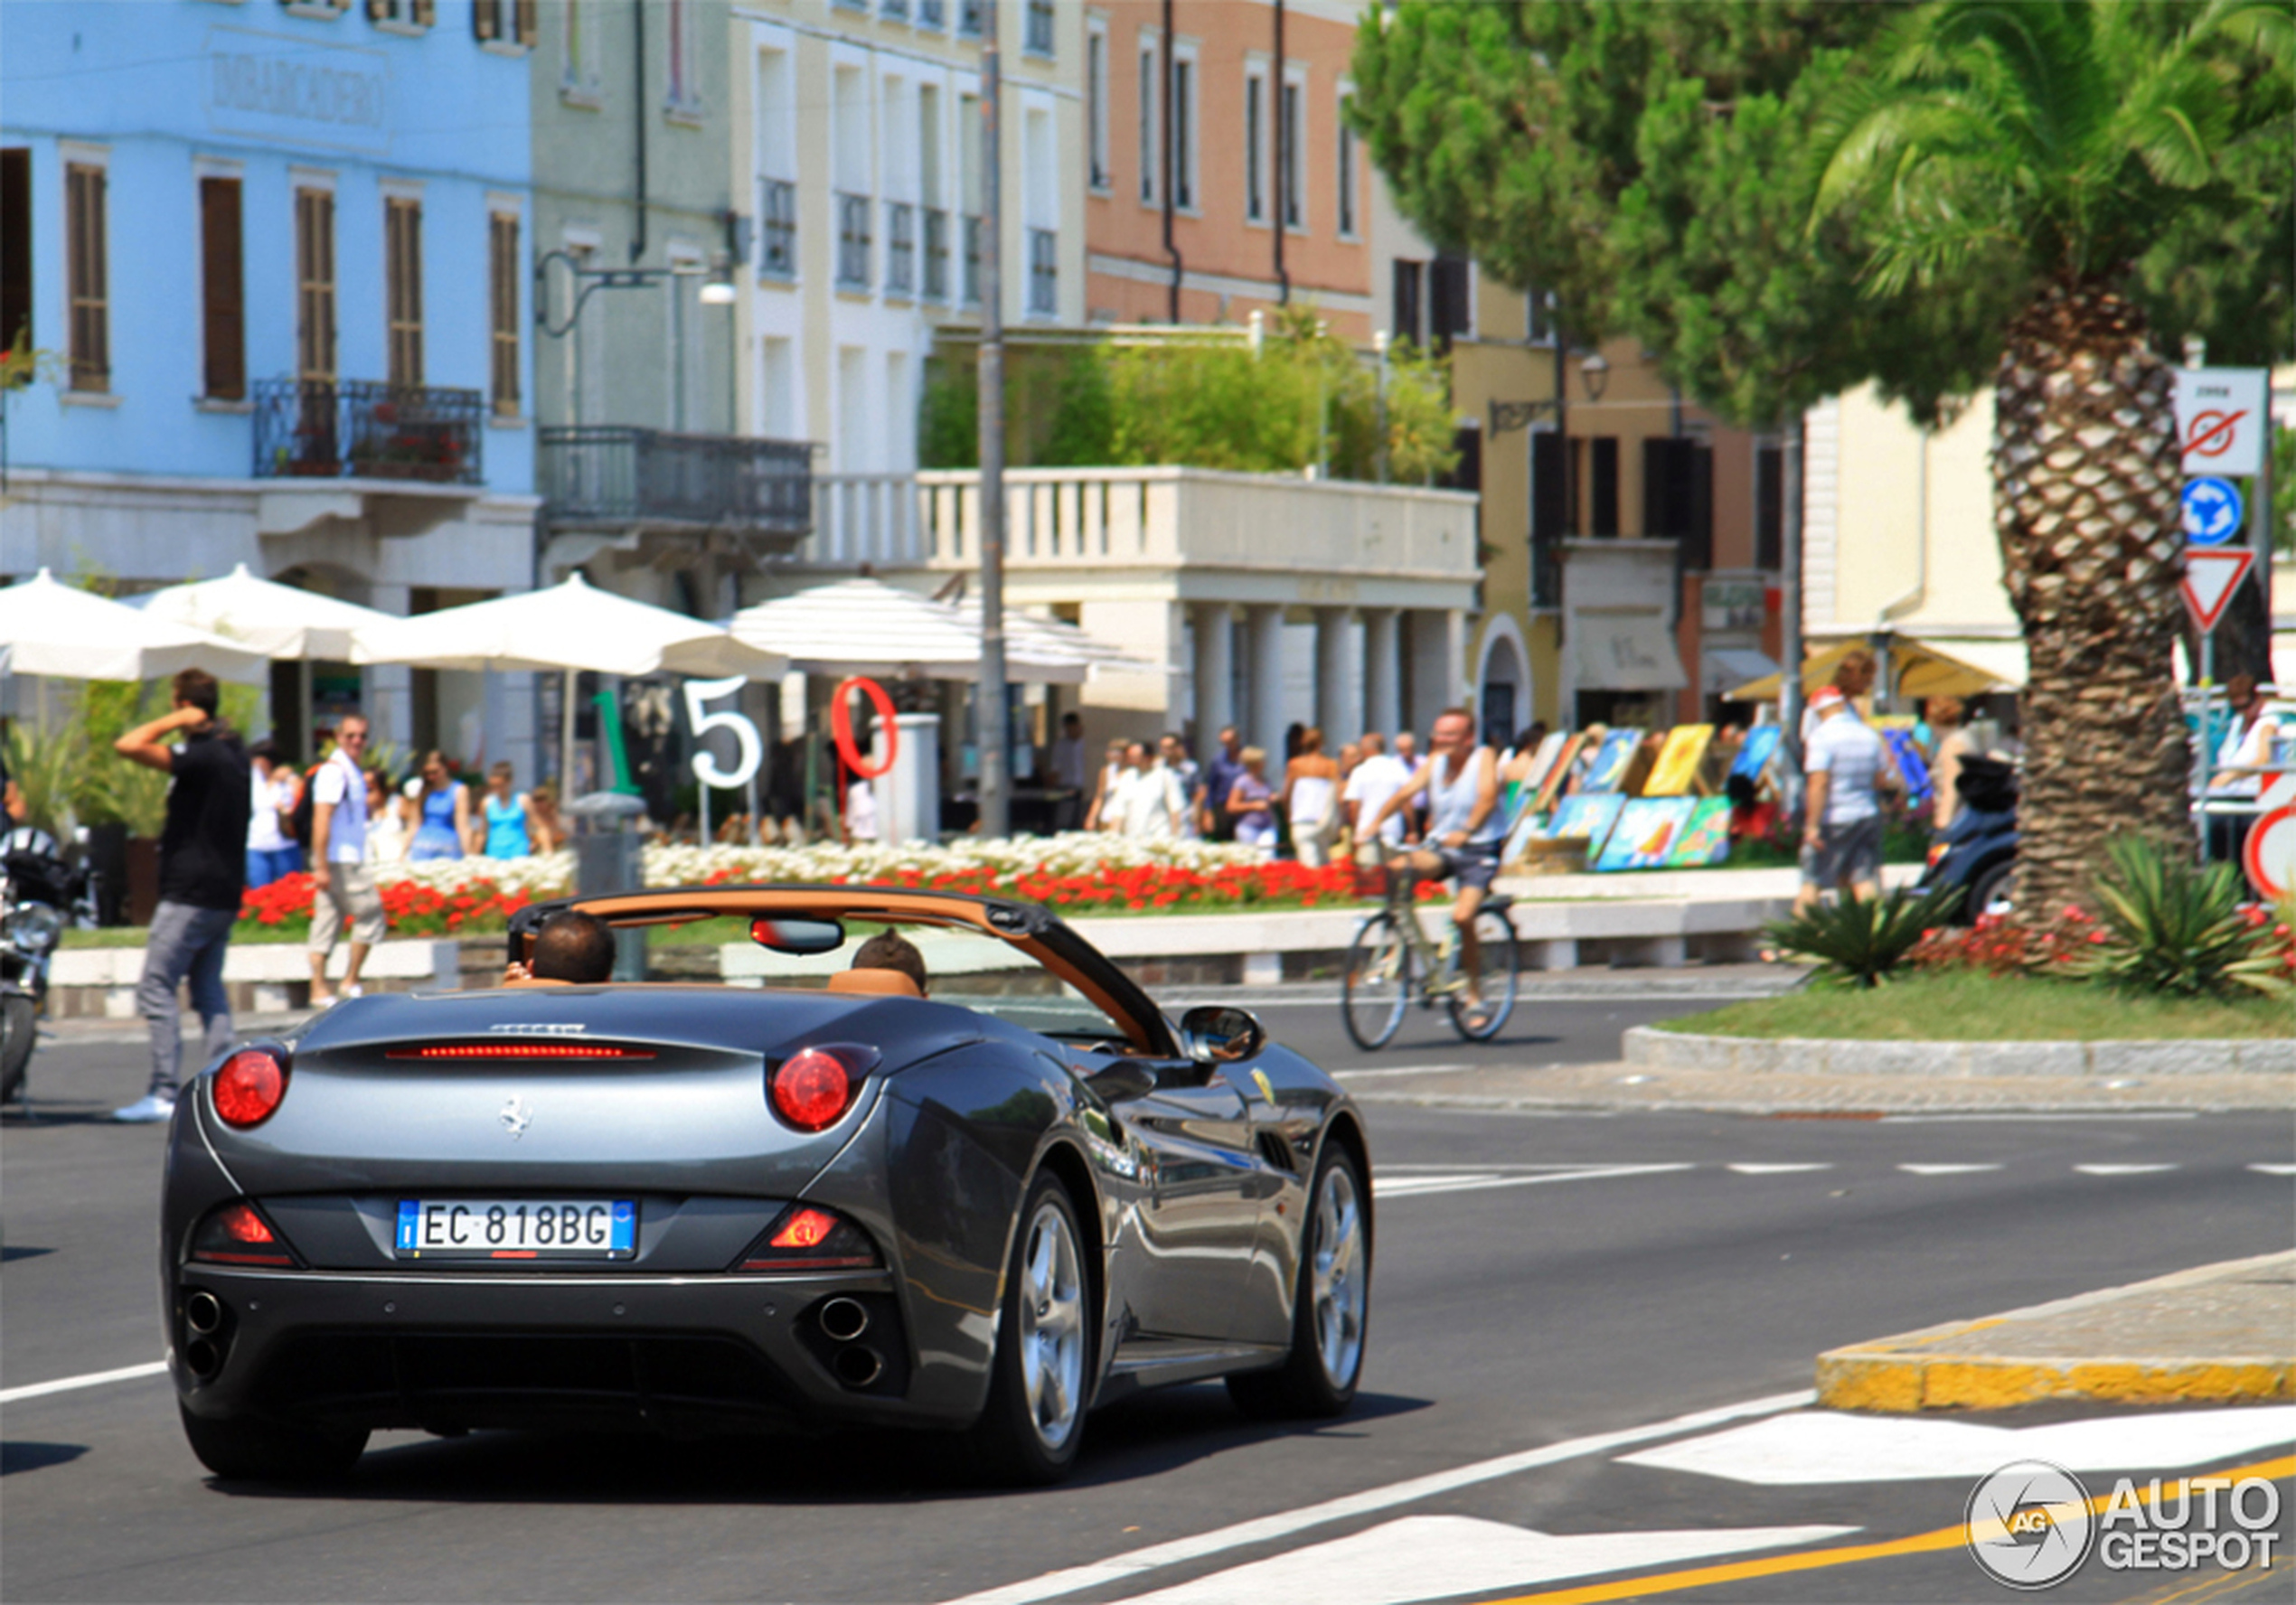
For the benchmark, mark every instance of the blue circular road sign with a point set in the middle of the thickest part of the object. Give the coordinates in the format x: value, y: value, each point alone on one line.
x: 2213, y: 511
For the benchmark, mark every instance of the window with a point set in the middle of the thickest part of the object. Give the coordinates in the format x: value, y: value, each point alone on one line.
x: 579, y: 74
x: 315, y: 285
x: 936, y: 254
x: 15, y: 249
x: 1036, y: 31
x: 1409, y: 278
x: 1255, y: 148
x: 404, y: 14
x: 502, y: 284
x: 1604, y: 455
x: 1183, y: 132
x: 89, y: 276
x: 776, y: 228
x: 900, y: 248
x: 1095, y: 102
x: 512, y: 21
x: 972, y: 260
x: 1346, y: 171
x: 1044, y: 272
x: 852, y: 243
x: 968, y: 18
x: 896, y: 9
x: 1538, y: 316
x: 930, y: 14
x: 1150, y: 143
x: 222, y: 292
x: 403, y: 288
x: 1449, y: 304
x: 1291, y: 142
x: 1769, y: 507
x: 682, y: 88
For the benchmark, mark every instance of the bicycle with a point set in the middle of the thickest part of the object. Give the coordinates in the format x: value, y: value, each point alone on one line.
x: 1391, y: 947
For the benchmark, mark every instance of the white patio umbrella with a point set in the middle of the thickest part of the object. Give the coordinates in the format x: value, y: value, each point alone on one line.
x: 1030, y: 636
x: 281, y: 620
x: 866, y: 626
x: 53, y: 628
x: 565, y: 628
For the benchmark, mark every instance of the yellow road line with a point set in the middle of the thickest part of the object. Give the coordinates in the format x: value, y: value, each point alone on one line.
x: 1952, y: 1537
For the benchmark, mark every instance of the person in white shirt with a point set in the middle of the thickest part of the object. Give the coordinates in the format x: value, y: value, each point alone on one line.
x: 1846, y: 765
x: 2242, y: 753
x: 1173, y: 750
x: 1144, y: 800
x: 861, y: 811
x: 271, y: 852
x: 344, y: 887
x: 1311, y: 801
x: 1373, y: 780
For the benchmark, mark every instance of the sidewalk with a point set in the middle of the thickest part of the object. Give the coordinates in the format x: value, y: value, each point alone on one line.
x: 2216, y: 1334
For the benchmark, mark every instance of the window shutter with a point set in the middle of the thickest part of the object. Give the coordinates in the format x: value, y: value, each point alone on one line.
x: 483, y: 19
x: 530, y: 27
x: 426, y: 12
x: 378, y: 10
x: 223, y: 296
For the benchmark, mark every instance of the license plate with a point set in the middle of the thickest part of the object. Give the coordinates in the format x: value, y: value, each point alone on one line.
x: 517, y: 1229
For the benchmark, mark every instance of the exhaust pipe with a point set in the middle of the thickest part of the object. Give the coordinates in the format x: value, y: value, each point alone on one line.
x: 203, y: 1312
x: 858, y: 1366
x: 200, y: 1358
x: 845, y: 1320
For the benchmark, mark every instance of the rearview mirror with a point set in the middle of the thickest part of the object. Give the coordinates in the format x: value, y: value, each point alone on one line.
x: 1213, y: 1034
x: 802, y: 938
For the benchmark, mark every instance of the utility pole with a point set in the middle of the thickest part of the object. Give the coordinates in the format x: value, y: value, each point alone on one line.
x: 1789, y: 604
x: 991, y: 709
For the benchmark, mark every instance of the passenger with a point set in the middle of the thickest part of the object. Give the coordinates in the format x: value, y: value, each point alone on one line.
x: 572, y: 948
x: 888, y: 950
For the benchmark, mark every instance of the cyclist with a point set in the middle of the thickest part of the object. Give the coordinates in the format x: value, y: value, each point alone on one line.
x: 1460, y: 780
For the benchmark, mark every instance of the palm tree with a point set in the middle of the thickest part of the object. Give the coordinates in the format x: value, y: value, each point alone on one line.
x: 2043, y: 147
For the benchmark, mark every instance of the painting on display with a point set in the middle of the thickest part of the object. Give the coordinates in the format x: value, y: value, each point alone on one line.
x: 1550, y: 790
x: 1755, y: 753
x: 1612, y: 761
x: 1911, y: 765
x: 1678, y: 761
x: 1704, y: 841
x: 1589, y: 814
x: 1646, y: 832
x: 1543, y: 761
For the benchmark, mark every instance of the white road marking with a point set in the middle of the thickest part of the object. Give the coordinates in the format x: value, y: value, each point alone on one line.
x: 2274, y: 1169
x: 2082, y: 1114
x: 1944, y: 1169
x: 1125, y: 1567
x: 1826, y: 1448
x: 1752, y: 1169
x: 65, y: 1384
x: 2121, y: 1169
x: 1401, y: 1070
x: 1475, y: 1181
x: 1428, y: 1557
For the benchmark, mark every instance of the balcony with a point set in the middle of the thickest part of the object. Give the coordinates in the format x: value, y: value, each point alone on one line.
x: 613, y: 479
x: 776, y: 228
x: 364, y: 429
x: 852, y: 243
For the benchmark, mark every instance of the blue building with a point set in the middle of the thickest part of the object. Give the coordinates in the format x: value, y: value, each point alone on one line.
x: 271, y: 256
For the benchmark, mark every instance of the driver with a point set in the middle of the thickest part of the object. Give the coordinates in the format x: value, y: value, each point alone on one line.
x: 888, y: 950
x: 572, y: 949
x: 1460, y: 780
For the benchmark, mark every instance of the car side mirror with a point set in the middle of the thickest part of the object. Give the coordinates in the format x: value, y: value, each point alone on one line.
x: 1124, y: 1080
x: 1214, y: 1034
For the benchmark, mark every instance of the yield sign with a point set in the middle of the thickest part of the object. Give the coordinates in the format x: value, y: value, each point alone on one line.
x: 2210, y: 580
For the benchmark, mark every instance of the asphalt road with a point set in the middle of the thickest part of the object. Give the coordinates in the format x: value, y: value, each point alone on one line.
x: 1541, y: 1280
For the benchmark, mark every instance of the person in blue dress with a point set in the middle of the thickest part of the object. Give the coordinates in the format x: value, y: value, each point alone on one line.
x: 506, y: 831
x: 444, y: 828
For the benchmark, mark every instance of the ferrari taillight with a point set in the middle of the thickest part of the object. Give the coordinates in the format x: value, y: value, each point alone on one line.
x: 813, y: 1087
x: 248, y: 1087
x: 807, y: 1237
x: 238, y: 1235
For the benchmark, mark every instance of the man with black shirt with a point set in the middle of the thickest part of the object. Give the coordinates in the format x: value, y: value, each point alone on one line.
x: 202, y: 871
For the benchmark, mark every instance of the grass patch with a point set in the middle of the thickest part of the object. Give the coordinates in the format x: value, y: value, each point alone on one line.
x: 1968, y: 1007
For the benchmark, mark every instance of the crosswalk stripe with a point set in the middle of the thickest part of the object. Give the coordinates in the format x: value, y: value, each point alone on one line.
x: 2121, y: 1169
x: 2274, y: 1169
x: 1420, y: 1187
x: 65, y: 1384
x: 1759, y: 1169
x: 1944, y: 1169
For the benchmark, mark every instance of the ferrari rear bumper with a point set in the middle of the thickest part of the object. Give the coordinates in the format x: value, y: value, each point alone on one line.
x: 683, y: 1353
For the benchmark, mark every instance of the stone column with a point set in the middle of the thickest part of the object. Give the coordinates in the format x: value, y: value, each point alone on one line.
x: 1382, y: 673
x: 1336, y: 711
x: 1215, y: 674
x: 386, y: 690
x: 1264, y: 648
x: 1436, y: 645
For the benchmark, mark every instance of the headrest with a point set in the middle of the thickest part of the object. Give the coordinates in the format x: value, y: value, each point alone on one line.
x: 874, y: 983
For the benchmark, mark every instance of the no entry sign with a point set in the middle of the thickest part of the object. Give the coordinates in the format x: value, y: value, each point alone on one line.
x: 2220, y: 419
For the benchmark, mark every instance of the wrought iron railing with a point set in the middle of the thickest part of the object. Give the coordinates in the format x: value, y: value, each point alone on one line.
x: 900, y: 248
x: 936, y: 254
x: 613, y: 475
x: 364, y: 429
x: 776, y: 228
x: 852, y: 241
x: 1044, y: 272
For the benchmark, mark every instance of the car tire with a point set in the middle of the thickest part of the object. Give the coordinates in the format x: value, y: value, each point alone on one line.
x: 270, y: 1452
x: 1041, y: 1380
x: 1332, y: 1307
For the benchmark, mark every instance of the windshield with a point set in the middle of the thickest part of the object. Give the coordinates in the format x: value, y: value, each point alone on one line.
x: 965, y: 967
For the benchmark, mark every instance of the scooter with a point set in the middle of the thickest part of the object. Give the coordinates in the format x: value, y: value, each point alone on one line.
x: 37, y: 891
x: 1978, y: 852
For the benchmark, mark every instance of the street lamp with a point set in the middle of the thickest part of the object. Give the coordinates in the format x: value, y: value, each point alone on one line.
x: 1595, y: 372
x: 718, y: 290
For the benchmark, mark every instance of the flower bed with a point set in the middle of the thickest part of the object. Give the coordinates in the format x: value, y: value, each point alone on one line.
x: 1075, y: 873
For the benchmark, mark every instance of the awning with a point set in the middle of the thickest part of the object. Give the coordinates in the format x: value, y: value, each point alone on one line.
x: 1624, y: 649
x: 1970, y: 669
x: 1727, y: 666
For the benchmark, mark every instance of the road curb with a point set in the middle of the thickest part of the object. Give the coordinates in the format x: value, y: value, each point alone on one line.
x: 1975, y: 1365
x: 1657, y: 1048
